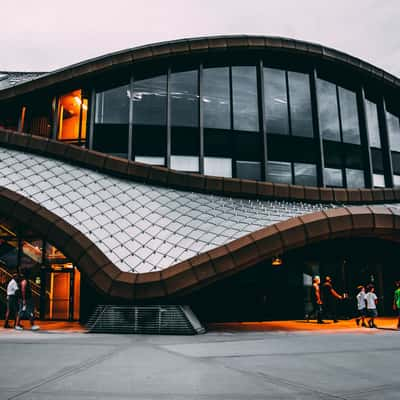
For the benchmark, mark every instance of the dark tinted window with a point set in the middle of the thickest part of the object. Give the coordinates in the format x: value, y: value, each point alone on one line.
x: 328, y: 110
x: 396, y: 162
x: 349, y: 116
x: 184, y: 113
x: 276, y: 104
x: 394, y: 131
x: 248, y: 170
x: 149, y: 100
x: 377, y: 160
x: 300, y: 104
x: 111, y: 127
x: 216, y: 98
x: 305, y: 174
x: 245, y: 99
x: 373, y: 124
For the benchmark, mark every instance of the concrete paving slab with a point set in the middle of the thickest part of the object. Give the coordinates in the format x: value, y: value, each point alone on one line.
x: 218, y: 365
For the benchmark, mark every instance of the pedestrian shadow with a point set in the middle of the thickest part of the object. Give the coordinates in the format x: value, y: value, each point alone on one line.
x: 387, y: 329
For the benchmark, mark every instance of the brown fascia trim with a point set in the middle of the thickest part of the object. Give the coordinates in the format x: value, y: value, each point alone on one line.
x: 162, y: 176
x: 206, y: 268
x: 198, y: 45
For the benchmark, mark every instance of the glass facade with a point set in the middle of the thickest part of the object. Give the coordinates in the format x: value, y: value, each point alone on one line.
x: 112, y: 121
x: 184, y: 101
x: 253, y: 118
x: 374, y: 137
x: 149, y: 118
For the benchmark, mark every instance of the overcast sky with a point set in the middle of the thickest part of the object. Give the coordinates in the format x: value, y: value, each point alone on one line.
x: 45, y: 34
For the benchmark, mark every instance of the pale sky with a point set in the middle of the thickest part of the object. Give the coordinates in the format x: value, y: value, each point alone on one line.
x: 44, y: 35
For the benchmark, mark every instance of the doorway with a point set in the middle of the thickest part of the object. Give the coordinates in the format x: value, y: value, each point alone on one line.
x: 61, y: 293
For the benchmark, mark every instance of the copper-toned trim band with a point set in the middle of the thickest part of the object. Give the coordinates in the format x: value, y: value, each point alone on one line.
x: 183, y: 47
x: 191, y: 182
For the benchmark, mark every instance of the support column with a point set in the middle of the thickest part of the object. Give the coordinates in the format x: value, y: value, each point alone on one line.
x: 317, y: 133
x: 362, y: 112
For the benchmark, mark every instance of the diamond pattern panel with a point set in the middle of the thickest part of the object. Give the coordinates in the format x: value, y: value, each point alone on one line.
x: 139, y: 227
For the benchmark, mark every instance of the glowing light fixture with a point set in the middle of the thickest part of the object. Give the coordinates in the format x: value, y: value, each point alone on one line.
x: 276, y: 261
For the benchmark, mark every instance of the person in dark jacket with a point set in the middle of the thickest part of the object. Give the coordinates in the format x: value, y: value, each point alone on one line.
x: 26, y: 306
x: 329, y: 298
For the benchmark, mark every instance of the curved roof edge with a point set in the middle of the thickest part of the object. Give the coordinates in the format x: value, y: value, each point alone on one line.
x: 162, y: 176
x: 375, y: 221
x: 194, y: 46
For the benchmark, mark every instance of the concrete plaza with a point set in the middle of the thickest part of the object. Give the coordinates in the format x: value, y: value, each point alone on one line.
x: 223, y: 364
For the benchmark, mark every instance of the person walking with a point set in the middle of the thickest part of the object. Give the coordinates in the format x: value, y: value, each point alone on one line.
x: 329, y: 299
x: 27, y: 306
x: 396, y: 303
x: 372, y: 301
x: 316, y: 299
x: 361, y: 306
x: 12, y: 289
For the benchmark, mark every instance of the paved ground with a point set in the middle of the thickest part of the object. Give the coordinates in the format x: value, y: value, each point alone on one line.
x: 346, y: 364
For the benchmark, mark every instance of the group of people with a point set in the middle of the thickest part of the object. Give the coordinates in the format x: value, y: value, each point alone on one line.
x: 325, y: 302
x: 20, y: 304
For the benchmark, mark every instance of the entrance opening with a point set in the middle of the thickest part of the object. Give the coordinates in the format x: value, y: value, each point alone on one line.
x: 55, y: 281
x: 283, y: 292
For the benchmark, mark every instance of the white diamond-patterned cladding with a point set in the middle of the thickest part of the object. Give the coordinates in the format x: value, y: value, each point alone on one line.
x: 139, y: 227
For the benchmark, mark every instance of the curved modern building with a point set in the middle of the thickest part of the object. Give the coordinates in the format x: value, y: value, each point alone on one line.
x: 177, y: 172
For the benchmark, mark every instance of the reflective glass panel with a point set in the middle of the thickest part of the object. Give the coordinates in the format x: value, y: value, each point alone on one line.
x: 276, y: 104
x: 111, y: 126
x: 184, y: 100
x: 333, y: 177
x: 393, y: 124
x: 378, y: 180
x: 328, y: 110
x: 216, y: 98
x: 355, y: 178
x: 349, y: 116
x: 305, y: 174
x: 150, y: 160
x: 248, y: 170
x: 149, y: 100
x: 373, y: 124
x: 245, y: 99
x: 300, y: 104
x: 185, y: 163
x: 280, y: 172
x: 215, y: 166
x: 396, y: 180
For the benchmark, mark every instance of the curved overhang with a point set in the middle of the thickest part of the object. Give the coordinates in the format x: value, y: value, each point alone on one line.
x: 194, y: 46
x: 334, y: 220
x: 358, y: 221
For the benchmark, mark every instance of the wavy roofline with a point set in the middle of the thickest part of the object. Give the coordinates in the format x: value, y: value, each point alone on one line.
x: 197, y: 45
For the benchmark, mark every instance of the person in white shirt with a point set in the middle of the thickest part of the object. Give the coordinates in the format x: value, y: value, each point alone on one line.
x: 12, y: 301
x: 361, y: 306
x: 372, y: 301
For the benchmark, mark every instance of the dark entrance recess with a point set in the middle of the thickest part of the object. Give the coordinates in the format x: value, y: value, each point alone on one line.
x: 265, y: 292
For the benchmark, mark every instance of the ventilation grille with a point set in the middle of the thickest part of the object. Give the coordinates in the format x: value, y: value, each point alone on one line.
x: 162, y: 320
